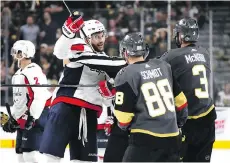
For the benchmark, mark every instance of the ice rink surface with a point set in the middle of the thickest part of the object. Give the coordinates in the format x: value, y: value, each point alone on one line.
x: 9, y: 156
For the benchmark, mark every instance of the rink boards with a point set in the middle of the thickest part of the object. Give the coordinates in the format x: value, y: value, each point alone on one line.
x: 7, y: 140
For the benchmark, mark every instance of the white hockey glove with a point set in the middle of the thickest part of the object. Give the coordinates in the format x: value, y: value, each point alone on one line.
x: 108, y: 124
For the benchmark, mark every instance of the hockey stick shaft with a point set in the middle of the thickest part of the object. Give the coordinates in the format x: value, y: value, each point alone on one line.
x: 8, y: 110
x: 10, y: 115
x: 47, y: 85
x: 67, y: 7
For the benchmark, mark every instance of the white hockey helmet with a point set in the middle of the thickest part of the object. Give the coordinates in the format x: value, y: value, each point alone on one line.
x: 90, y: 27
x: 25, y: 47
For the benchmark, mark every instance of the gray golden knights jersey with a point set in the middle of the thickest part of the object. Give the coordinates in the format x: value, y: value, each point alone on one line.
x: 147, y: 98
x: 85, y: 68
x: 33, y: 99
x: 191, y: 66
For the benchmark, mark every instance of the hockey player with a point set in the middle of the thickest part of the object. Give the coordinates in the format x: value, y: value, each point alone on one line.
x: 74, y: 111
x: 117, y: 141
x: 144, y: 104
x: 191, y: 64
x: 30, y: 108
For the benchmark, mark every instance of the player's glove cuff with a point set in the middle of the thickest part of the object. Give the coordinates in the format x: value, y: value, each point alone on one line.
x: 26, y: 121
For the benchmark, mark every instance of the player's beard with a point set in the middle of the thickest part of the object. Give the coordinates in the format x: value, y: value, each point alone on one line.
x: 99, y: 47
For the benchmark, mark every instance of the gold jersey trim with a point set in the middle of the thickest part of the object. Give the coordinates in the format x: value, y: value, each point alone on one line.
x: 202, y: 114
x: 154, y: 134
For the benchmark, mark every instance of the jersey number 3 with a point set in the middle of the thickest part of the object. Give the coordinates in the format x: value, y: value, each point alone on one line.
x: 160, y: 92
x: 196, y: 70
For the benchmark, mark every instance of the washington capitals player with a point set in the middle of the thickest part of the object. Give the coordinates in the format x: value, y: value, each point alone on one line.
x: 30, y: 108
x: 74, y: 111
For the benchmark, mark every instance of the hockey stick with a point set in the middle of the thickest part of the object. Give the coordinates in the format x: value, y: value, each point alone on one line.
x: 10, y: 115
x: 8, y: 110
x: 67, y: 7
x: 48, y: 85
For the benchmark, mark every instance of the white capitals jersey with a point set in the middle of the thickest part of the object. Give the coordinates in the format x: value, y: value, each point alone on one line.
x: 33, y: 99
x: 85, y: 68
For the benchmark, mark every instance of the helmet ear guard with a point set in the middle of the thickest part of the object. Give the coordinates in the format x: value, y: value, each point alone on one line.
x: 146, y: 51
x: 177, y: 40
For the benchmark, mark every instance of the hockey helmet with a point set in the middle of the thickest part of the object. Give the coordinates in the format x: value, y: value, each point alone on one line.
x: 90, y: 27
x: 133, y: 45
x: 24, y: 47
x: 188, y: 30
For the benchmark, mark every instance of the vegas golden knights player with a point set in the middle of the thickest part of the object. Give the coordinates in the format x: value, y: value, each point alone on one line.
x: 191, y: 65
x: 147, y: 103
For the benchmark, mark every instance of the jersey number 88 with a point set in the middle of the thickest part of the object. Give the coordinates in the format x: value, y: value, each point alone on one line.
x: 162, y: 94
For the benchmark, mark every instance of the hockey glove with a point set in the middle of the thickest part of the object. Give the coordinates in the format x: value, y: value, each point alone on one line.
x: 72, y: 25
x: 26, y: 121
x: 107, y: 89
x: 30, y: 123
x: 108, y: 124
x: 4, y: 118
x: 10, y: 126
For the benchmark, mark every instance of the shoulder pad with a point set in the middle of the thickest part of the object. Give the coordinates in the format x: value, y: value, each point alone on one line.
x: 122, y: 70
x: 164, y: 55
x: 121, y: 76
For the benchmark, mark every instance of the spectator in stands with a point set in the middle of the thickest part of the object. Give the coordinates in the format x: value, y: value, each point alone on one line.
x: 160, y: 41
x: 133, y: 19
x: 45, y: 64
x: 224, y: 96
x: 114, y: 34
x: 49, y: 29
x: 43, y: 49
x: 51, y: 66
x: 29, y: 31
x: 161, y: 17
x: 4, y: 80
x: 3, y: 72
x: 3, y: 77
x: 13, y: 68
x: 55, y: 8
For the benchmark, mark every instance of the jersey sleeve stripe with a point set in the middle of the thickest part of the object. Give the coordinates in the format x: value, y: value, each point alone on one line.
x: 123, y: 124
x: 182, y: 107
x: 85, y: 56
x: 123, y: 117
x: 31, y: 93
x: 180, y: 101
x: 102, y: 62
